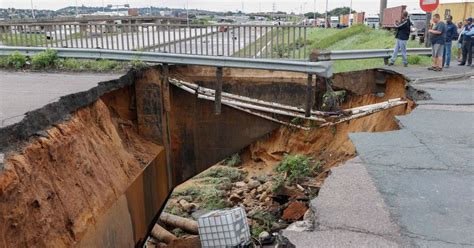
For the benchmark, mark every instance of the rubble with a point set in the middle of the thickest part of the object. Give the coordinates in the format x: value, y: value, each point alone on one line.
x: 305, y: 225
x: 294, y: 211
x: 252, y: 184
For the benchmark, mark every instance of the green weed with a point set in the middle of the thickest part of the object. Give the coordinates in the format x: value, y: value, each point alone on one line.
x: 16, y: 60
x: 233, y: 160
x: 297, y: 167
x: 233, y: 174
x: 414, y: 59
x: 44, y: 59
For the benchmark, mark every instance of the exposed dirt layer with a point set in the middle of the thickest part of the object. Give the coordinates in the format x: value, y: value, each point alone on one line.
x: 329, y: 145
x: 57, y: 186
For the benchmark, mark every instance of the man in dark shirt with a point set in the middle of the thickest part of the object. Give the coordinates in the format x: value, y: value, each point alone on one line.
x: 437, y: 38
x: 403, y: 32
x: 467, y: 39
x: 451, y: 34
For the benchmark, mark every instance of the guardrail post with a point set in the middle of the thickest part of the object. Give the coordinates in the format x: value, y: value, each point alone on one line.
x: 385, y: 60
x: 217, y: 102
x: 309, y: 95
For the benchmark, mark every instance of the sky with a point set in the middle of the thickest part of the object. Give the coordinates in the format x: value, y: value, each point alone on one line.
x: 297, y: 6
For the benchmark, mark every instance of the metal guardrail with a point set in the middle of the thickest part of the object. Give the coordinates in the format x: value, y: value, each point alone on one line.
x: 365, y: 54
x: 249, y: 41
x: 323, y: 68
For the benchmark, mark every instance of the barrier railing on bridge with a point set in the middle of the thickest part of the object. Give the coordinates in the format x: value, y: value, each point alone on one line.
x: 364, y: 54
x: 249, y: 41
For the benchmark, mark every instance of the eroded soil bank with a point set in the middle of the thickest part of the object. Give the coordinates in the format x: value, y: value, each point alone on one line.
x: 247, y: 179
x: 65, y: 185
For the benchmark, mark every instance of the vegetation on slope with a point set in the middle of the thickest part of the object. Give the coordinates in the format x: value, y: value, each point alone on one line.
x: 360, y: 37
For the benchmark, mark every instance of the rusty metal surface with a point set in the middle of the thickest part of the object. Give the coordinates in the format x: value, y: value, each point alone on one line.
x: 126, y: 221
x: 200, y: 138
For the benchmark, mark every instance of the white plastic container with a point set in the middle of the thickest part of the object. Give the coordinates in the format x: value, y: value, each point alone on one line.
x: 224, y: 228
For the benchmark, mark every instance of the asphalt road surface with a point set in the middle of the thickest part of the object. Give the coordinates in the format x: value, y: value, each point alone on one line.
x: 412, y: 187
x: 25, y: 91
x: 192, y: 40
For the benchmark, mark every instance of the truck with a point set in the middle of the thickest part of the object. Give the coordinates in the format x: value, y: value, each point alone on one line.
x: 334, y: 21
x: 418, y: 20
x: 372, y: 21
x: 359, y: 18
x: 344, y: 20
x: 394, y: 14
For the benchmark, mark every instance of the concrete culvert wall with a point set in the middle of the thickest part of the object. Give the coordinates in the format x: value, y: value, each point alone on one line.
x: 90, y: 169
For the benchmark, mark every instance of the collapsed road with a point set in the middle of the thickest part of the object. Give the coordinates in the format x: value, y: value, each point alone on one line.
x: 407, y: 188
x: 100, y: 164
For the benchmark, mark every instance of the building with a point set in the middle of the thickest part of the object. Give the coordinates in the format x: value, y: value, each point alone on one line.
x: 460, y: 11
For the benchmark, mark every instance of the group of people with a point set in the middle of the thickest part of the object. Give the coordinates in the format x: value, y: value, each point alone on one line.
x: 442, y: 35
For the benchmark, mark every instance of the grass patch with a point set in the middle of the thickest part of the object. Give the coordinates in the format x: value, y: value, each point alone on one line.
x: 16, y: 60
x: 341, y: 35
x: 206, y: 196
x: 233, y: 174
x: 49, y: 60
x: 23, y: 39
x: 297, y: 167
x: 233, y: 160
x: 371, y: 39
x: 44, y: 59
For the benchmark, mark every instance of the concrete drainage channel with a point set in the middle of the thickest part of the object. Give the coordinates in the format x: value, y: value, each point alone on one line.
x: 94, y: 169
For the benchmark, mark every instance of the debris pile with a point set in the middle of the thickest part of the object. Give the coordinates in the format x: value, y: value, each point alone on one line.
x: 272, y: 201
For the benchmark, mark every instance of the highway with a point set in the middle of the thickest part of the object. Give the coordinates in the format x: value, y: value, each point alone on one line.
x: 188, y: 40
x: 21, y: 92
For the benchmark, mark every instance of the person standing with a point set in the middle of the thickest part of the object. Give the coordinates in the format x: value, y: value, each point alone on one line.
x: 451, y: 34
x: 466, y: 37
x: 437, y: 38
x: 402, y: 35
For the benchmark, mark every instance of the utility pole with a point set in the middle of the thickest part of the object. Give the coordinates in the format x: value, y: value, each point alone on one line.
x: 187, y: 12
x: 32, y: 10
x: 427, y: 27
x: 151, y: 4
x: 383, y: 5
x: 77, y: 11
x: 314, y: 13
x: 350, y: 13
x: 327, y: 20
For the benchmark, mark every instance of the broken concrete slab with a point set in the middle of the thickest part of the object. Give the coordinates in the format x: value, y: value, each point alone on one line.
x: 431, y: 204
x: 349, y: 213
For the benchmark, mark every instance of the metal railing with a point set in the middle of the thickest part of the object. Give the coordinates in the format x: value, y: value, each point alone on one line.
x: 365, y: 54
x: 247, y: 41
x: 323, y: 68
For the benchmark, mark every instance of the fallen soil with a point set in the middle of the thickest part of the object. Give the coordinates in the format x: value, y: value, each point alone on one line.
x: 48, y: 188
x: 330, y: 146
